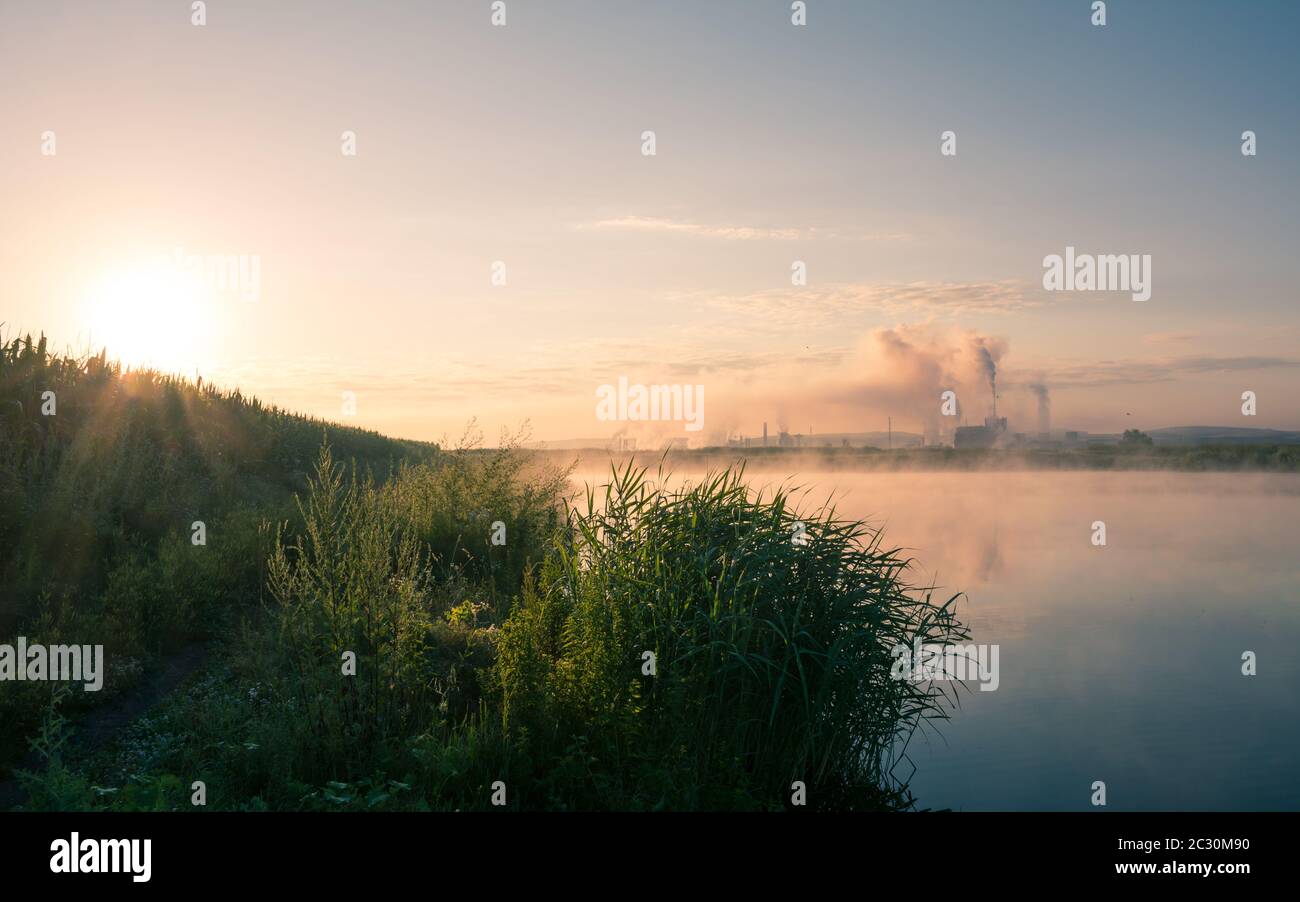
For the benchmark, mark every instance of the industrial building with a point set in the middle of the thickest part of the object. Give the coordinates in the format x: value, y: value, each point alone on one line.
x: 993, y: 434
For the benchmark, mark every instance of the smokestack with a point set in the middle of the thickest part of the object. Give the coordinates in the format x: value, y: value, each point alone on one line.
x: 993, y: 384
x: 765, y: 433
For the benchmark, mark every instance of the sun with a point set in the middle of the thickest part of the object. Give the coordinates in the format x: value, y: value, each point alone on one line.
x: 150, y: 314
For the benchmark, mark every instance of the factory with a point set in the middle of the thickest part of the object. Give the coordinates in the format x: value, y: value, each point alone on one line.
x: 993, y: 434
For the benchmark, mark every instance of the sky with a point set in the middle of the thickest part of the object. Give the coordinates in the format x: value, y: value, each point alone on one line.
x: 500, y: 245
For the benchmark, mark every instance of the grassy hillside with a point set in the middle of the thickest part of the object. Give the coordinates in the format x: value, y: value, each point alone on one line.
x: 104, y: 471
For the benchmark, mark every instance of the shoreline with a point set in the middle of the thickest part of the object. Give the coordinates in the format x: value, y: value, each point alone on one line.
x: 1199, y: 459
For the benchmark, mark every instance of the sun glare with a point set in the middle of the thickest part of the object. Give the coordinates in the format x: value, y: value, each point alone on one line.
x: 149, y: 315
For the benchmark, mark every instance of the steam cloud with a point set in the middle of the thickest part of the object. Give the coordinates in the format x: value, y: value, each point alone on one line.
x: 899, y: 372
x: 1044, y: 406
x: 987, y: 363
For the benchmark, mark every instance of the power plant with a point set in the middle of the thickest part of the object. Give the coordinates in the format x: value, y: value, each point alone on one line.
x: 992, y: 434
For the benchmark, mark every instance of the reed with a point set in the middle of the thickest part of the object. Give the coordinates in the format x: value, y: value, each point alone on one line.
x: 771, y: 633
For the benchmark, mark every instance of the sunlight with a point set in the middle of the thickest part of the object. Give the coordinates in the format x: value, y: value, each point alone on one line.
x: 151, y: 314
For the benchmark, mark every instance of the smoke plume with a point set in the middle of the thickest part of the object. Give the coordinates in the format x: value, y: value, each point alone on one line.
x: 1044, y: 406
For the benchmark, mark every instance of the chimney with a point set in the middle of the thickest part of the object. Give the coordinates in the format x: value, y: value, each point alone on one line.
x: 765, y: 433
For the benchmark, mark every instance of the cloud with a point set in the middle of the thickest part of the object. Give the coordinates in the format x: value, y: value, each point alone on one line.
x: 802, y: 307
x: 1165, y: 338
x: 1135, y: 372
x: 732, y: 232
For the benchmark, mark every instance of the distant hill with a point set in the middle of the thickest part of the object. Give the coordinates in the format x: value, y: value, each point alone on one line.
x: 1222, y: 435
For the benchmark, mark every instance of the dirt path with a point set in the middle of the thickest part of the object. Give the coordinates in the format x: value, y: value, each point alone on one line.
x: 100, y: 725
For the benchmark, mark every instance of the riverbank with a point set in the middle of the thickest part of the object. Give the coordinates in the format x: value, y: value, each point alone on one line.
x: 1197, y: 459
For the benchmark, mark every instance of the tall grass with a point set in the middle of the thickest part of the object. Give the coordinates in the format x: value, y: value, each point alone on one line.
x: 98, y: 494
x: 453, y: 500
x: 398, y: 576
x: 351, y: 584
x: 772, y: 655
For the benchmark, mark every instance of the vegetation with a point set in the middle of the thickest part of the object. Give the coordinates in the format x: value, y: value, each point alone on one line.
x: 1133, y: 439
x: 408, y: 627
x: 705, y: 648
x: 103, y: 472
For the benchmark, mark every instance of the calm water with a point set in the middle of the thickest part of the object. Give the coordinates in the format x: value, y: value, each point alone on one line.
x: 1122, y: 663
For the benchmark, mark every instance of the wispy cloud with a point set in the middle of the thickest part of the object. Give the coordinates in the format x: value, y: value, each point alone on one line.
x: 1134, y: 372
x: 726, y: 232
x: 801, y: 307
x: 1168, y: 338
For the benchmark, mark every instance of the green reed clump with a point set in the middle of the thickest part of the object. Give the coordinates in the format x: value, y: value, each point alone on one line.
x: 352, y: 589
x: 464, y: 496
x: 361, y: 576
x: 772, y: 654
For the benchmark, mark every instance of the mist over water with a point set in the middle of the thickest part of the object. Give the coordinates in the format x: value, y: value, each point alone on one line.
x: 1119, y: 663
